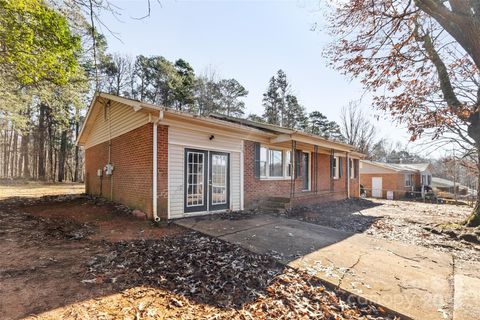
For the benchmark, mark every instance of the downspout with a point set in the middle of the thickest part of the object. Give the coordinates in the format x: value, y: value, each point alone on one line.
x: 348, y: 175
x: 156, y: 218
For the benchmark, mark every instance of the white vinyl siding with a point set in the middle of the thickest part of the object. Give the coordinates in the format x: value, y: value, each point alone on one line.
x: 203, y: 140
x: 118, y: 120
x: 181, y: 138
x: 175, y: 180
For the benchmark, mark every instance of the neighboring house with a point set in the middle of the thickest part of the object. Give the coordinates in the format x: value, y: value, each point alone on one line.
x: 379, y: 178
x: 447, y: 186
x: 172, y: 164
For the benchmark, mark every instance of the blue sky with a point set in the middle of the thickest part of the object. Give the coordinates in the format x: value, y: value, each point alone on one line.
x: 248, y: 41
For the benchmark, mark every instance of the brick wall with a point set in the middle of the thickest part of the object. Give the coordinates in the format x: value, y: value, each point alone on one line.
x: 390, y: 181
x: 131, y: 182
x: 328, y: 189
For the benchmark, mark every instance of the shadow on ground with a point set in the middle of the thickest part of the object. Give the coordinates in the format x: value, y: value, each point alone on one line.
x: 344, y: 215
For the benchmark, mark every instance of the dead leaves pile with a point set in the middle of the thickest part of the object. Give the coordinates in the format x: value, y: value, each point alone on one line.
x: 208, y: 278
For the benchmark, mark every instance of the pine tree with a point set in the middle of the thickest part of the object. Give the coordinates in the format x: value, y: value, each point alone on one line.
x: 320, y: 125
x: 294, y: 113
x: 231, y: 90
x: 283, y: 91
x: 185, y: 85
x: 271, y: 103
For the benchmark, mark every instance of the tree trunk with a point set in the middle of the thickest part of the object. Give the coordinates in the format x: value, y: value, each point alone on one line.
x: 75, y: 174
x: 24, y: 148
x: 474, y: 219
x: 41, y: 143
x: 62, y: 156
x: 14, y: 158
x: 51, y: 163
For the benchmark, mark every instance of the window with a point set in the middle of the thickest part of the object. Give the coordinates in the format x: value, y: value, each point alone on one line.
x: 408, y: 180
x: 275, y: 163
x: 352, y: 168
x: 429, y: 180
x: 288, y: 163
x: 336, y: 171
x: 263, y: 161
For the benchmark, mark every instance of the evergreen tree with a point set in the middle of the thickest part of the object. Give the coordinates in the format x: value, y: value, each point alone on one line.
x: 271, y: 103
x: 207, y: 96
x: 294, y: 114
x: 231, y: 90
x: 256, y: 118
x: 320, y: 125
x: 185, y: 85
x: 283, y: 91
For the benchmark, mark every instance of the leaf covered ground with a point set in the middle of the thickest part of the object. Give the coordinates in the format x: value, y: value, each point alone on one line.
x: 60, y: 261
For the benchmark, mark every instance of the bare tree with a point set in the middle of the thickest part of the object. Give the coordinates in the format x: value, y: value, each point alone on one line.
x: 357, y: 128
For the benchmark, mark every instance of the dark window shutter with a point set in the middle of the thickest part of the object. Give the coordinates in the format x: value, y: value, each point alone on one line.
x: 332, y: 163
x: 298, y: 159
x: 257, y: 159
x: 340, y: 167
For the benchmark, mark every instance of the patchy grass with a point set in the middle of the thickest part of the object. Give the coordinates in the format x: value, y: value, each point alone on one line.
x: 38, y: 189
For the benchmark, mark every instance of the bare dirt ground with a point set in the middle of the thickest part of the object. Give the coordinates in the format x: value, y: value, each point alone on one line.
x: 74, y: 257
x: 435, y: 226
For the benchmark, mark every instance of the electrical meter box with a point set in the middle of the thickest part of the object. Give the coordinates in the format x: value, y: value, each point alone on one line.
x: 99, y: 172
x: 109, y: 169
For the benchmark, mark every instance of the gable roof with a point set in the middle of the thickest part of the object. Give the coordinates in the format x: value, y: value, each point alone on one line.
x: 440, y: 182
x: 272, y: 132
x: 399, y: 167
x: 415, y: 166
x: 389, y: 166
x: 276, y: 129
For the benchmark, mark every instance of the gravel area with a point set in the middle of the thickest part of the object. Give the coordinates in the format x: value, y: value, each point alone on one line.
x: 436, y: 226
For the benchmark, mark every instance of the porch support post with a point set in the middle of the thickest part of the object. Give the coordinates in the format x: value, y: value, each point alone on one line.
x: 293, y: 173
x: 348, y: 175
x: 315, y: 167
x: 332, y: 158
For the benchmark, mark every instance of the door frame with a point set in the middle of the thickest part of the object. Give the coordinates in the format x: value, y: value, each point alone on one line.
x: 381, y: 187
x: 204, y: 207
x: 223, y: 206
x: 207, y: 196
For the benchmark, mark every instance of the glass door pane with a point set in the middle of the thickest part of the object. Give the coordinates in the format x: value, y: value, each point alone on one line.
x: 195, y: 166
x: 219, y: 180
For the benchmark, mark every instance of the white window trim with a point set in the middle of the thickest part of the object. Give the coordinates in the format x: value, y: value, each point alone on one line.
x: 284, y: 163
x: 336, y: 172
x: 410, y: 179
x: 352, y: 168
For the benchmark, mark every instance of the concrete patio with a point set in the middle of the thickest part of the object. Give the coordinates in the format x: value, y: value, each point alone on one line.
x: 413, y: 281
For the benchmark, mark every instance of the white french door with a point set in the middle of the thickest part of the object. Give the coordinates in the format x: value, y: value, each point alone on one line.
x: 207, y: 180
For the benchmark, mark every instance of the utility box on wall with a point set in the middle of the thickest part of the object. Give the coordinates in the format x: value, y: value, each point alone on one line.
x: 109, y: 169
x: 99, y: 172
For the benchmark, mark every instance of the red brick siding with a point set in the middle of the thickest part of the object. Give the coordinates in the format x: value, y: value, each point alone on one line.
x: 256, y: 189
x: 131, y: 182
x: 390, y: 181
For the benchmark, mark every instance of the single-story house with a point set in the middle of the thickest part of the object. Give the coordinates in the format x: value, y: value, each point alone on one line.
x: 173, y: 164
x: 447, y: 186
x: 393, y: 180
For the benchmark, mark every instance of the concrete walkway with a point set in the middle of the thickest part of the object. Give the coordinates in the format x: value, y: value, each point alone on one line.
x: 414, y: 281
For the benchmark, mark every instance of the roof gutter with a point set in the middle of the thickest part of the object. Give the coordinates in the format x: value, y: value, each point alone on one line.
x: 156, y: 218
